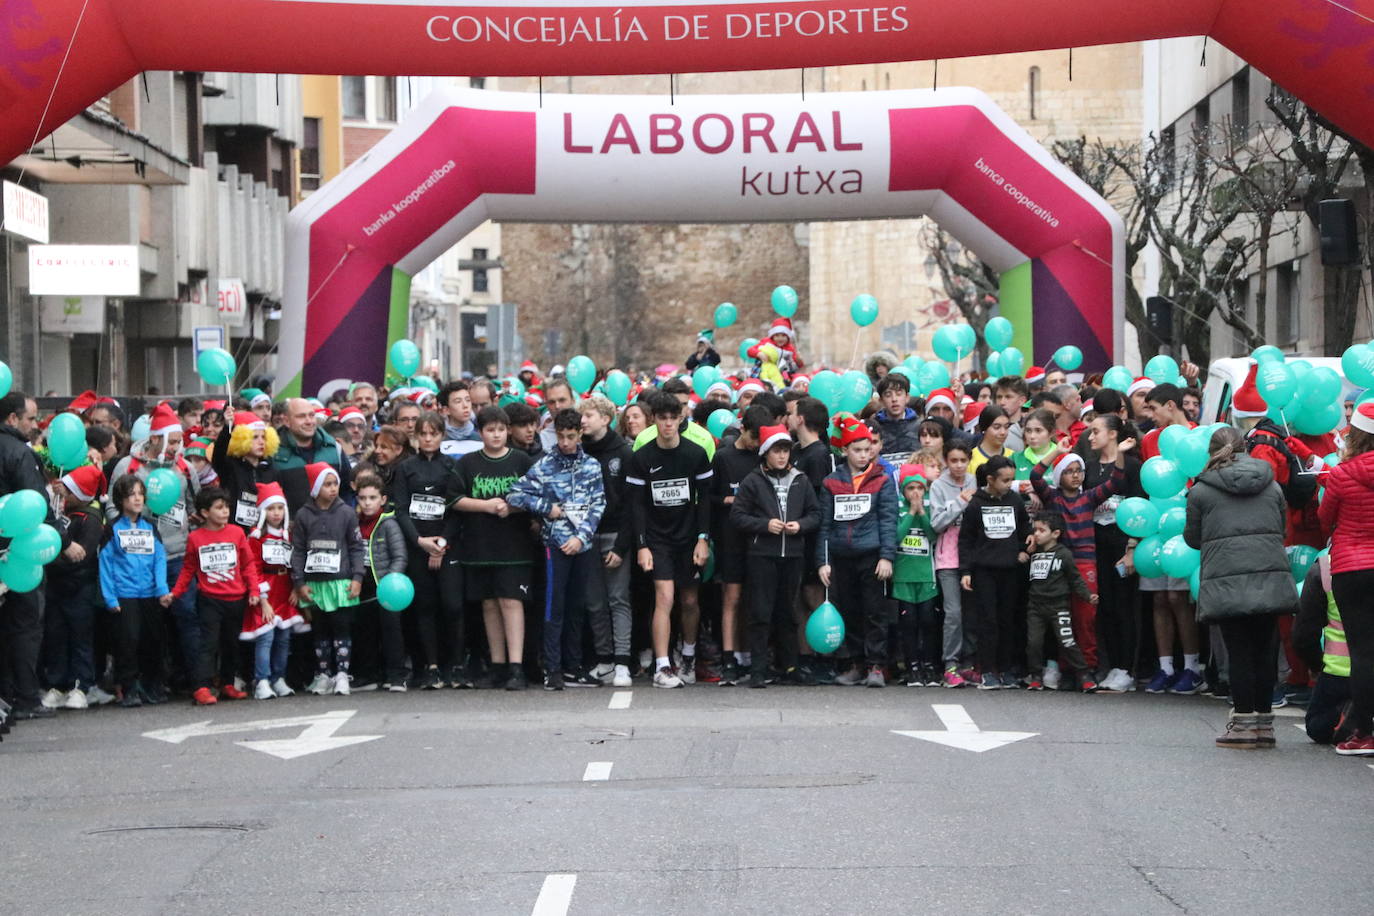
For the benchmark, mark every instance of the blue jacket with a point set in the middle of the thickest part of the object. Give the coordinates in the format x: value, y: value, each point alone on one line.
x: 901, y: 435
x: 858, y: 522
x: 572, y: 481
x: 132, y: 575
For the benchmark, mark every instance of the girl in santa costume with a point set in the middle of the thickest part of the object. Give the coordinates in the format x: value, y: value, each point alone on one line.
x: 784, y: 338
x: 269, y: 625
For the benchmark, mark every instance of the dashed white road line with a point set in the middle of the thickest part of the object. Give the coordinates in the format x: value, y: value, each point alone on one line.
x: 555, y: 896
x: 621, y: 699
x: 597, y: 771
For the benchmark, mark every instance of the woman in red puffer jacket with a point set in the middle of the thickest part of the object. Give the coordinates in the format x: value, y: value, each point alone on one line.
x: 1347, y: 515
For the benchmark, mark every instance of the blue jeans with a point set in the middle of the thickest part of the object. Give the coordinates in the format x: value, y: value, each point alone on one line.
x: 69, y: 634
x: 186, y: 621
x: 566, y: 578
x: 270, y: 651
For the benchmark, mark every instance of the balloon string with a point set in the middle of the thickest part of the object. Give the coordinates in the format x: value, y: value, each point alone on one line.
x: 61, y: 68
x: 1286, y: 430
x: 855, y: 358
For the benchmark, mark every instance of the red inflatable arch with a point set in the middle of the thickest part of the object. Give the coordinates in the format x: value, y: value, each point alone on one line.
x: 1320, y: 50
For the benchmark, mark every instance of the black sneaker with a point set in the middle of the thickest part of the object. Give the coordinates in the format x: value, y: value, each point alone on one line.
x: 38, y: 711
x: 553, y: 681
x: 133, y: 696
x: 798, y: 677
x: 730, y: 673
x: 432, y: 679
x: 517, y: 679
x: 758, y: 677
x: 579, y: 680
x: 458, y: 679
x: 151, y: 696
x: 495, y: 677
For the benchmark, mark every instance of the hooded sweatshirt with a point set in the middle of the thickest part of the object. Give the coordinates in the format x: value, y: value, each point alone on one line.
x: 993, y: 531
x: 946, y: 510
x: 612, y: 452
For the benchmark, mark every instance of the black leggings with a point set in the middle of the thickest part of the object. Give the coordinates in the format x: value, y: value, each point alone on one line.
x: 1118, y: 619
x: 1354, y: 593
x: 438, y: 609
x: 922, y: 638
x: 996, y: 595
x: 333, y: 631
x: 1253, y: 645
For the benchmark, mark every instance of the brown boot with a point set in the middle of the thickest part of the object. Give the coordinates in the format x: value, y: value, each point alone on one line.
x: 1240, y: 733
x: 1264, y: 730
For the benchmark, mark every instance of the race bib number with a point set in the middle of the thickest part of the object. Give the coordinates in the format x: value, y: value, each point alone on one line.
x: 673, y: 492
x: 137, y: 541
x: 1105, y: 514
x: 456, y: 449
x: 575, y: 513
x: 1041, y: 565
x: 276, y: 553
x: 218, y: 559
x: 999, y: 522
x: 426, y: 508
x: 323, y: 558
x: 915, y: 545
x: 246, y: 511
x: 852, y: 506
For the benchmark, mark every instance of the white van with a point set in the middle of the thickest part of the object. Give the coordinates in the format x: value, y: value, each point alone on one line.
x: 1224, y: 376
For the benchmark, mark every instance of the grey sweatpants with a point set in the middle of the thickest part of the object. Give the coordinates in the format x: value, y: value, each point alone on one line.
x: 959, y: 640
x: 608, y: 604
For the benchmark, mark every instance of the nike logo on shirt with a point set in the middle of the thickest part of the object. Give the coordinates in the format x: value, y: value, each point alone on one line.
x: 655, y: 470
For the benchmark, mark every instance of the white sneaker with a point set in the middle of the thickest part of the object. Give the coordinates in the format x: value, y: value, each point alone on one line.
x: 75, y: 700
x: 263, y: 691
x: 341, y: 684
x: 1124, y: 682
x: 1052, y: 676
x: 688, y: 669
x: 280, y: 688
x: 321, y: 686
x: 665, y: 677
x: 603, y: 672
x: 99, y: 697
x: 53, y: 699
x: 398, y: 687
x: 622, y: 677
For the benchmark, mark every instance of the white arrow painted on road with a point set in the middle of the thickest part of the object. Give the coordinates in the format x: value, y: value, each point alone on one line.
x: 318, y: 735
x: 961, y: 732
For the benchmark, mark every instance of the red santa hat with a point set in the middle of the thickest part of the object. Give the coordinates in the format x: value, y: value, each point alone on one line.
x: 529, y: 366
x: 1363, y: 417
x: 352, y: 413
x: 1035, y: 375
x: 1246, y: 402
x: 941, y: 397
x: 753, y: 384
x: 801, y: 382
x: 1140, y: 384
x: 215, y: 405
x: 849, y: 430
x: 1086, y: 409
x: 972, y: 411
x: 1062, y: 464
x: 250, y: 420
x: 323, y: 413
x: 318, y: 473
x: 83, y: 401
x: 270, y: 494
x: 86, y: 482
x: 782, y: 326
x: 164, y: 421
x: 770, y: 436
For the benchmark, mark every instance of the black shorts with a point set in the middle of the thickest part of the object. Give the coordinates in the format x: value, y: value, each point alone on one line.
x: 674, y: 564
x: 510, y: 581
x: 731, y: 558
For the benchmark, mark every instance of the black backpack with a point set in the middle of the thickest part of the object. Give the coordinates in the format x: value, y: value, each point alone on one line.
x: 1302, y: 483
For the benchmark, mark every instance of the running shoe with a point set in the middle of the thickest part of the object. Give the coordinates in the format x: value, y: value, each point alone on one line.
x: 97, y: 697
x: 579, y: 680
x: 321, y: 686
x: 850, y: 678
x: 687, y: 672
x: 875, y: 677
x: 53, y: 699
x: 914, y: 677
x: 341, y: 685
x: 553, y: 681
x: 953, y: 678
x: 1034, y: 683
x: 431, y: 679
x: 990, y: 681
x: 202, y: 697
x: 133, y: 698
x: 228, y: 691
x: 622, y: 678
x: 282, y: 689
x: 1088, y: 684
x: 729, y: 673
x: 665, y: 678
x: 518, y: 679
x: 1360, y: 744
x: 1009, y: 682
x: 1161, y: 682
x: 1188, y: 683
x: 1052, y: 676
x: 263, y: 691
x: 75, y: 700
x: 1278, y: 699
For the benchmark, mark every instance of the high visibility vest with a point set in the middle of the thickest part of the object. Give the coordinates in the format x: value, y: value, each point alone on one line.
x: 1335, y: 650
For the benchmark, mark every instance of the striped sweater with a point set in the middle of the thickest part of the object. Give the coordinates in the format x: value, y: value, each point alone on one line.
x: 1077, y: 510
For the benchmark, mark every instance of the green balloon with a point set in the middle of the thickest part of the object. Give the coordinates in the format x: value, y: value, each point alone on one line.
x: 22, y: 512
x: 1276, y: 383
x: 425, y: 382
x: 998, y: 333
x: 703, y: 377
x: 1300, y: 560
x: 1013, y: 361
x: 864, y: 310
x: 855, y: 391
x: 826, y: 388
x: 784, y: 300
x: 618, y: 387
x: 1161, y: 369
x: 746, y: 345
x: 1192, y: 451
x: 1161, y: 477
x: 1169, y: 438
x: 20, y: 576
x: 719, y: 421
x: 1147, y: 555
x: 405, y: 358
x: 67, y: 440
x: 951, y: 342
x: 1315, y: 421
x: 6, y: 379
x: 164, y: 489
x: 1119, y: 378
x: 1267, y: 354
x: 1178, y: 559
x: 1137, y: 517
x: 1171, y: 523
x: 395, y: 591
x: 825, y: 629
x: 933, y: 375
x: 581, y: 373
x: 1357, y: 362
x: 1068, y: 357
x: 39, y: 546
x: 215, y: 366
x: 726, y: 313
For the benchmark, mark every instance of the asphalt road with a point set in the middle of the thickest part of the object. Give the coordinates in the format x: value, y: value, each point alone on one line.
x: 717, y: 800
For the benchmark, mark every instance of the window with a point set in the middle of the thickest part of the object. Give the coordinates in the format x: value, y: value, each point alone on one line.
x: 477, y: 82
x: 479, y: 274
x: 386, y: 98
x: 1240, y: 106
x: 1286, y: 302
x: 310, y: 155
x: 1034, y: 87
x: 354, y: 91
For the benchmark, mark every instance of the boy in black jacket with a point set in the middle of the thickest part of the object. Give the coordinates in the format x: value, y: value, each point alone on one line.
x: 608, y: 594
x: 994, y: 536
x: 1053, y: 573
x: 775, y: 509
x: 732, y: 464
x: 73, y: 595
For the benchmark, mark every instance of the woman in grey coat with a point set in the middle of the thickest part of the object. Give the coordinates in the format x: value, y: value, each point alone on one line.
x: 1236, y: 518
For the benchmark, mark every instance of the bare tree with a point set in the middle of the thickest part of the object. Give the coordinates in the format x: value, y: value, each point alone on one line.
x: 970, y: 284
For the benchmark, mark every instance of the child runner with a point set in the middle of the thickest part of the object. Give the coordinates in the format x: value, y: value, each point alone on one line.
x: 732, y: 464
x: 994, y: 536
x: 913, y: 582
x: 813, y: 458
x: 949, y: 497
x: 858, y: 541
x: 608, y: 594
x: 386, y: 554
x: 269, y: 626
x: 225, y: 572
x: 775, y: 509
x: 668, y: 477
x: 1053, y: 572
x: 327, y: 568
x: 564, y: 490
x: 495, y: 545
x: 133, y: 577
x: 73, y: 593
